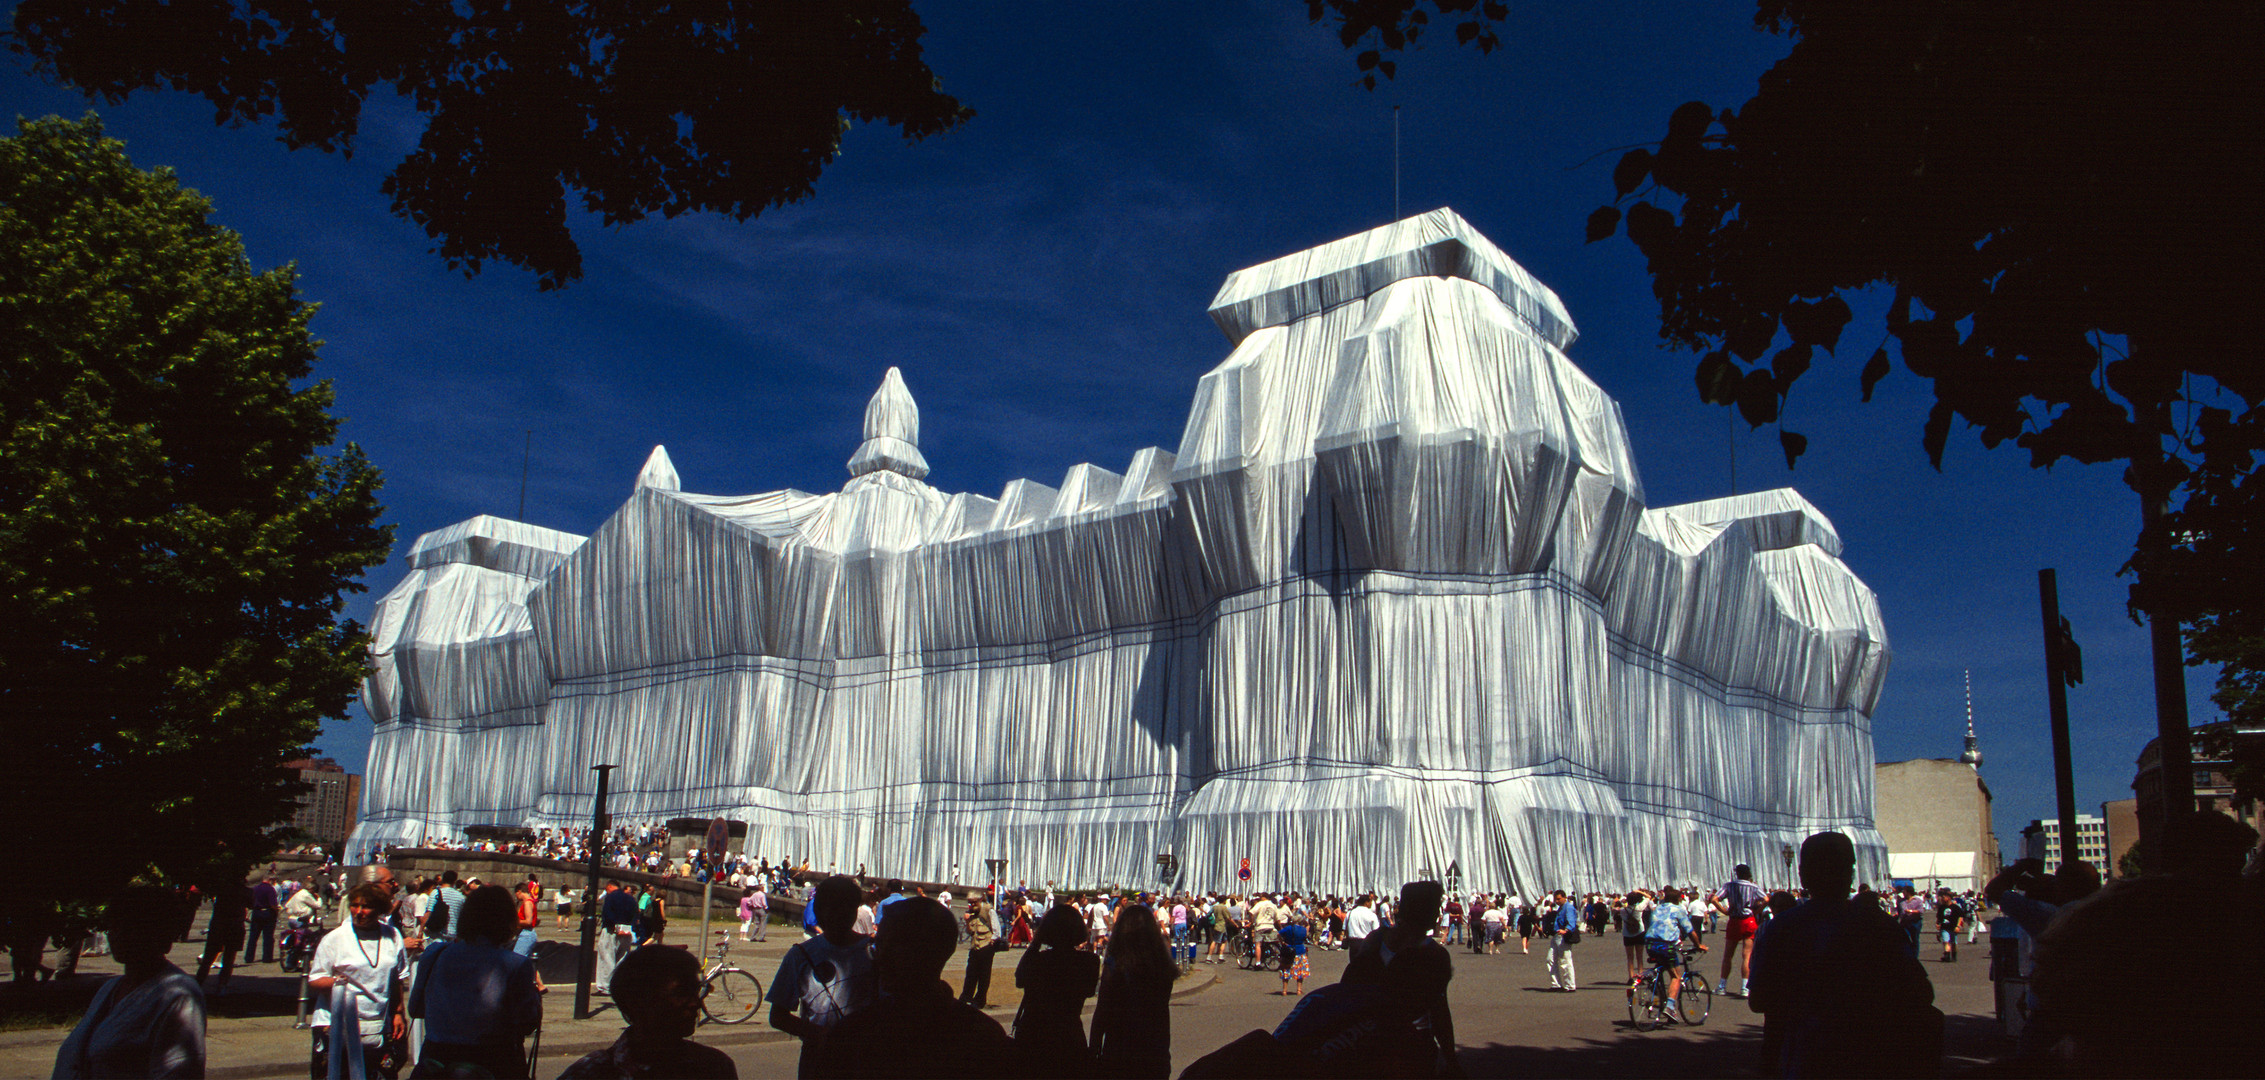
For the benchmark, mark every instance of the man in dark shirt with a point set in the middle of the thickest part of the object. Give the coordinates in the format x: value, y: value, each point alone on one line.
x: 617, y: 932
x: 1838, y: 989
x: 917, y: 1028
x: 1414, y: 971
x: 658, y: 992
x: 259, y: 939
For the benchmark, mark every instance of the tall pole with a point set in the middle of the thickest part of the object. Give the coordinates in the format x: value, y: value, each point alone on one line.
x: 1395, y: 163
x: 588, y: 968
x: 2056, y: 690
x: 2174, y: 753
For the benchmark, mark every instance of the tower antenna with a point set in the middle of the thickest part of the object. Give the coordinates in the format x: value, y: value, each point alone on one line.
x: 526, y: 454
x: 1973, y: 753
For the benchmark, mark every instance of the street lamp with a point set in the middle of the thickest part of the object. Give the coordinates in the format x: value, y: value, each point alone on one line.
x: 587, y: 968
x: 1787, y: 851
x: 1168, y: 868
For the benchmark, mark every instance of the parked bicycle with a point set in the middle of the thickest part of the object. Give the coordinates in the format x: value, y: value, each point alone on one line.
x: 729, y: 994
x: 1647, y: 1000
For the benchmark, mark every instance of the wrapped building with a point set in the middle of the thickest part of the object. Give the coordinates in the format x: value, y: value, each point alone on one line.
x: 1395, y: 605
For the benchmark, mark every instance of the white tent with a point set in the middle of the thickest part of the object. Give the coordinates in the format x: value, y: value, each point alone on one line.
x: 1396, y: 602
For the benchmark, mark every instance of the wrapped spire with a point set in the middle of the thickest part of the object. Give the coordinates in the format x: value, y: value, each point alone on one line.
x: 892, y: 432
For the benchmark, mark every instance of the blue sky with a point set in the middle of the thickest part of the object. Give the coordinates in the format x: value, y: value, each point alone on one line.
x: 1041, y: 276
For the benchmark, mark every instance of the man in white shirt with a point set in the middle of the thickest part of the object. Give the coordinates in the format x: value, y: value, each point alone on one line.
x: 1265, y: 922
x: 1361, y: 921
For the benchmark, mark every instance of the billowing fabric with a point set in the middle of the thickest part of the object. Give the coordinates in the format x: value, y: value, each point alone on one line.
x: 1396, y: 603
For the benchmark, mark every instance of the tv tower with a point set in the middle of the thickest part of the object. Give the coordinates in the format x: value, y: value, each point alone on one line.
x: 1973, y: 752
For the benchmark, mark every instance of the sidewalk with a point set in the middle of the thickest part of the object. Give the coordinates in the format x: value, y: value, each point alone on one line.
x: 250, y: 1033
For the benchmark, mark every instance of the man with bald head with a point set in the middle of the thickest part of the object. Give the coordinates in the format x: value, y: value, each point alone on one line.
x: 1840, y: 993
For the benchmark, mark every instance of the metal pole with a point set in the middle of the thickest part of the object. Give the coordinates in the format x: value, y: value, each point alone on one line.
x: 588, y: 967
x: 2174, y: 752
x: 2056, y: 691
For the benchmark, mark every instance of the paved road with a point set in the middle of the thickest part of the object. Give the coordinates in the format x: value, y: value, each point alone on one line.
x: 1506, y: 1022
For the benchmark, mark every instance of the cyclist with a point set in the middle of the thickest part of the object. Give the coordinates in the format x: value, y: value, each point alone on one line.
x: 1670, y: 927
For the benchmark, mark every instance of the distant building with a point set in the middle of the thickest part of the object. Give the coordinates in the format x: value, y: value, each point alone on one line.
x: 2091, y: 842
x: 1934, y: 814
x: 327, y: 809
x: 2213, y: 786
x: 2122, y: 816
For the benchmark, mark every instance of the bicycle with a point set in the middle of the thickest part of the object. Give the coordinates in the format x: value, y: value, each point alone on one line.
x: 1263, y: 956
x: 729, y: 994
x: 1648, y: 998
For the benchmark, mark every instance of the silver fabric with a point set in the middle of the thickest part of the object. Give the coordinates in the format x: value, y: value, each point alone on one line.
x: 1395, y: 605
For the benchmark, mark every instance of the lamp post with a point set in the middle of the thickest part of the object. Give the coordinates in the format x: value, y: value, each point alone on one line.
x: 1786, y: 850
x: 589, y: 960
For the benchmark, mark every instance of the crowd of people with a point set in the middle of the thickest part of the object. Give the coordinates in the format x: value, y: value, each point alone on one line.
x: 443, y: 967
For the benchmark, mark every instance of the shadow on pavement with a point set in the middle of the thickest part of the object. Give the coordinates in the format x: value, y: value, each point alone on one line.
x: 1684, y: 1052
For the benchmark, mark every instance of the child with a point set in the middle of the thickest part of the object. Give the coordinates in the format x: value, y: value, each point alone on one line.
x: 1293, y: 940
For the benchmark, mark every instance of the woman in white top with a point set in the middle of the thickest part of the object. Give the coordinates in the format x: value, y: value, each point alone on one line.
x: 358, y: 973
x: 150, y: 1020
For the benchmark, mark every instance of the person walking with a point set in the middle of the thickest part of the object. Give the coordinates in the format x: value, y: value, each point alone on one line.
x: 259, y: 936
x: 617, y: 913
x: 1564, y: 933
x: 754, y: 913
x: 357, y: 973
x: 479, y: 998
x: 224, y: 933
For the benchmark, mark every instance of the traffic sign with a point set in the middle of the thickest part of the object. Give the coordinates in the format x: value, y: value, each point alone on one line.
x: 1244, y: 873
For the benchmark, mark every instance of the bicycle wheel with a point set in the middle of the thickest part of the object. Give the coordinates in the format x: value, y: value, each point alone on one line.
x: 1643, y: 1004
x: 1696, y: 1001
x: 733, y: 996
x: 1245, y: 959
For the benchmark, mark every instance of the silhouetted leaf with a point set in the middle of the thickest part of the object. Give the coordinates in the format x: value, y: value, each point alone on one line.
x: 1649, y: 225
x: 1788, y: 365
x: 1689, y: 122
x: 1750, y: 335
x: 1875, y: 369
x: 1366, y: 60
x: 1817, y: 322
x: 1603, y: 223
x: 1757, y: 397
x: 1936, y: 434
x: 1634, y: 166
x: 1794, y: 446
x: 1718, y: 379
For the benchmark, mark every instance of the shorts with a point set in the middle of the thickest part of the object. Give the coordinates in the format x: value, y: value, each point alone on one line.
x: 1661, y: 955
x: 1946, y: 936
x: 1741, y: 929
x: 1631, y: 942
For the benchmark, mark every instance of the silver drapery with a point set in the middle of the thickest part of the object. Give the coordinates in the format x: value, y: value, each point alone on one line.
x: 1395, y: 604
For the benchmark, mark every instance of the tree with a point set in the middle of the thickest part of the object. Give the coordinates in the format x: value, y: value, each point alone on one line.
x: 2056, y: 197
x: 175, y: 541
x: 731, y: 106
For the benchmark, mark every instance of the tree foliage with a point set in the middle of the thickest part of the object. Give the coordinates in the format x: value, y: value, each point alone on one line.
x: 174, y: 541
x: 2057, y: 196
x: 1376, y: 27
x: 2026, y: 177
x: 640, y: 106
